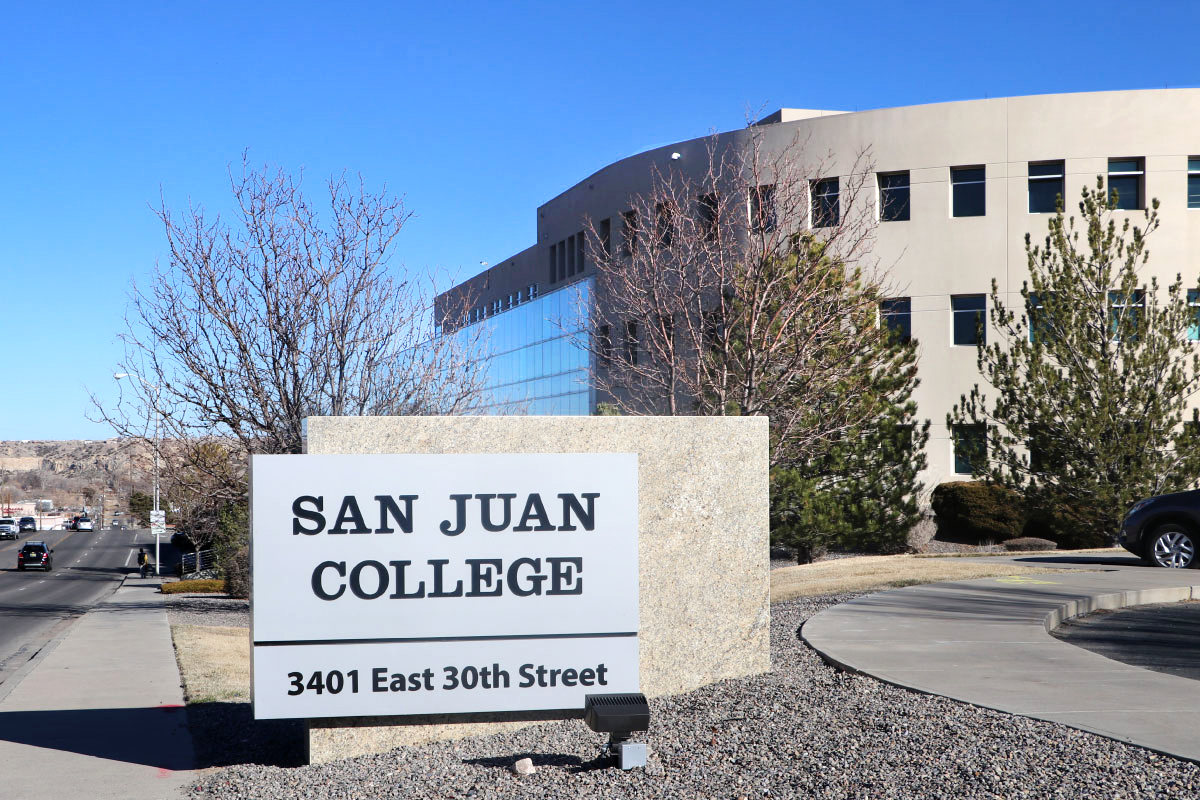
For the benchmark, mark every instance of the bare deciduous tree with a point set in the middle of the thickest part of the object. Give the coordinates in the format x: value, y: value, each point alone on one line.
x: 749, y: 288
x: 285, y: 313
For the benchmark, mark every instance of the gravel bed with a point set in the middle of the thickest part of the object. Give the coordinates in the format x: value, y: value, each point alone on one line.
x: 802, y: 730
x: 207, y: 609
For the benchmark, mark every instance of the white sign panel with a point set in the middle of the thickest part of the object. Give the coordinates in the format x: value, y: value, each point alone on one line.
x: 418, y: 584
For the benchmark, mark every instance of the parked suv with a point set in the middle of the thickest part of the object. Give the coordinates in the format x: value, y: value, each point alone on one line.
x: 27, y: 524
x: 34, y: 555
x: 8, y: 528
x: 1164, y: 530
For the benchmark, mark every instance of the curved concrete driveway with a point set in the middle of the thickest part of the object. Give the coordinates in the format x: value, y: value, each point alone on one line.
x: 986, y: 642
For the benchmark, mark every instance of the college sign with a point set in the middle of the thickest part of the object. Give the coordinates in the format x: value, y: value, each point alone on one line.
x: 427, y: 584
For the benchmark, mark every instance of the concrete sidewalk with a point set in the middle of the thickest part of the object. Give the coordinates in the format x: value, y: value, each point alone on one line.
x: 101, y: 714
x: 986, y: 642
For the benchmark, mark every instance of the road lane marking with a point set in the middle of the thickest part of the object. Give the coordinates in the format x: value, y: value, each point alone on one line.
x: 128, y: 556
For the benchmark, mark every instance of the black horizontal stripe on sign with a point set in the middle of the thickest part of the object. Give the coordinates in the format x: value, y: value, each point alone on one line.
x: 611, y: 635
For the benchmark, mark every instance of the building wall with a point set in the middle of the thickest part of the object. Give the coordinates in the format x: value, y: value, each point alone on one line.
x: 536, y: 361
x: 934, y: 256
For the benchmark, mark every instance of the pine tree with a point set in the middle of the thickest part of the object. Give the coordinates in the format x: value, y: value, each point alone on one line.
x: 856, y: 489
x: 1090, y: 379
x: 862, y: 493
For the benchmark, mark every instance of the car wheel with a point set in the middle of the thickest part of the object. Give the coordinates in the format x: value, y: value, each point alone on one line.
x: 1172, y: 546
x: 21, y: 568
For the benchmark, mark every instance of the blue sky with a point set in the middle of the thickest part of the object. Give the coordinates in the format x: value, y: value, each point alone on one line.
x: 475, y: 112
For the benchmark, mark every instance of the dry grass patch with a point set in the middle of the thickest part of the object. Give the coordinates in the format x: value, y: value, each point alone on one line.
x: 214, y: 662
x: 204, y: 586
x: 883, y: 572
x: 1098, y: 551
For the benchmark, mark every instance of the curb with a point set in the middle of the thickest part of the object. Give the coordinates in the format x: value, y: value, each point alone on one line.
x: 1116, y: 600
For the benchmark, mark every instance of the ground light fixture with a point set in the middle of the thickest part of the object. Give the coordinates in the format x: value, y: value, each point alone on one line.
x: 620, y: 716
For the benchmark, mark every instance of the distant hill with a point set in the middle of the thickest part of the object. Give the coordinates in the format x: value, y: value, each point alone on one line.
x: 67, y: 471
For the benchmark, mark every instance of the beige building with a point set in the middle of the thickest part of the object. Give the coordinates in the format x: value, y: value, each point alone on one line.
x: 955, y: 186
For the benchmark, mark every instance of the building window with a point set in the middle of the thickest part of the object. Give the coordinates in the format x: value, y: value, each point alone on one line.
x: 562, y: 260
x: 1125, y: 183
x: 706, y: 216
x: 664, y: 224
x: 896, y: 316
x: 631, y: 342
x: 968, y: 191
x: 533, y: 291
x: 1125, y: 312
x: 970, y: 449
x: 1040, y: 329
x: 825, y: 211
x: 553, y: 251
x: 967, y: 310
x: 497, y: 306
x: 570, y: 255
x: 509, y: 304
x: 1193, y: 196
x: 604, y: 346
x: 1193, y: 300
x: 629, y: 233
x: 1045, y: 186
x: 606, y: 236
x: 893, y: 196
x: 762, y: 209
x: 579, y: 252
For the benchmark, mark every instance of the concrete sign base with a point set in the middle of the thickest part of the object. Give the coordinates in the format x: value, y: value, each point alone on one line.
x: 702, y: 545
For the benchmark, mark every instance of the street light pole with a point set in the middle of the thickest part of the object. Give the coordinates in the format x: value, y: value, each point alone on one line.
x: 157, y: 433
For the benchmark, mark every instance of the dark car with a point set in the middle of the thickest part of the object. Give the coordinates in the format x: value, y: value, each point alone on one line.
x: 27, y: 524
x: 1164, y: 530
x: 34, y: 555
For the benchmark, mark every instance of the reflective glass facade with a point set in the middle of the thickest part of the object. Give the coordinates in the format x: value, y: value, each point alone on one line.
x: 535, y: 362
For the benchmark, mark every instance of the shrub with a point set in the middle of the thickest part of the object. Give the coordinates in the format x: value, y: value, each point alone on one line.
x: 1065, y: 525
x: 1029, y: 543
x: 212, y: 586
x: 237, y: 573
x: 974, y: 511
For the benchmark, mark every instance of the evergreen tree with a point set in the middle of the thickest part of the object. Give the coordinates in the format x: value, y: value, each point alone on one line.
x: 855, y: 487
x: 1090, y: 378
x: 862, y: 493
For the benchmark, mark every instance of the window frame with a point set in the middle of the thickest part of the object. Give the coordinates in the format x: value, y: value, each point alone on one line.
x: 761, y: 210
x: 903, y: 212
x: 1119, y: 305
x: 955, y: 185
x: 1060, y: 177
x: 822, y: 212
x: 1138, y: 174
x: 1193, y: 301
x: 886, y: 314
x: 630, y: 229
x: 980, y: 315
x: 958, y: 438
x: 631, y: 343
x: 1193, y: 176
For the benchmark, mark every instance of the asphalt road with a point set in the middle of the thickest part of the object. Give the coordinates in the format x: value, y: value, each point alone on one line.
x: 1164, y: 637
x: 35, y: 605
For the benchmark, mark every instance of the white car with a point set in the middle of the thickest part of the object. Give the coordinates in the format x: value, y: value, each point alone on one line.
x: 8, y: 528
x: 84, y: 524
